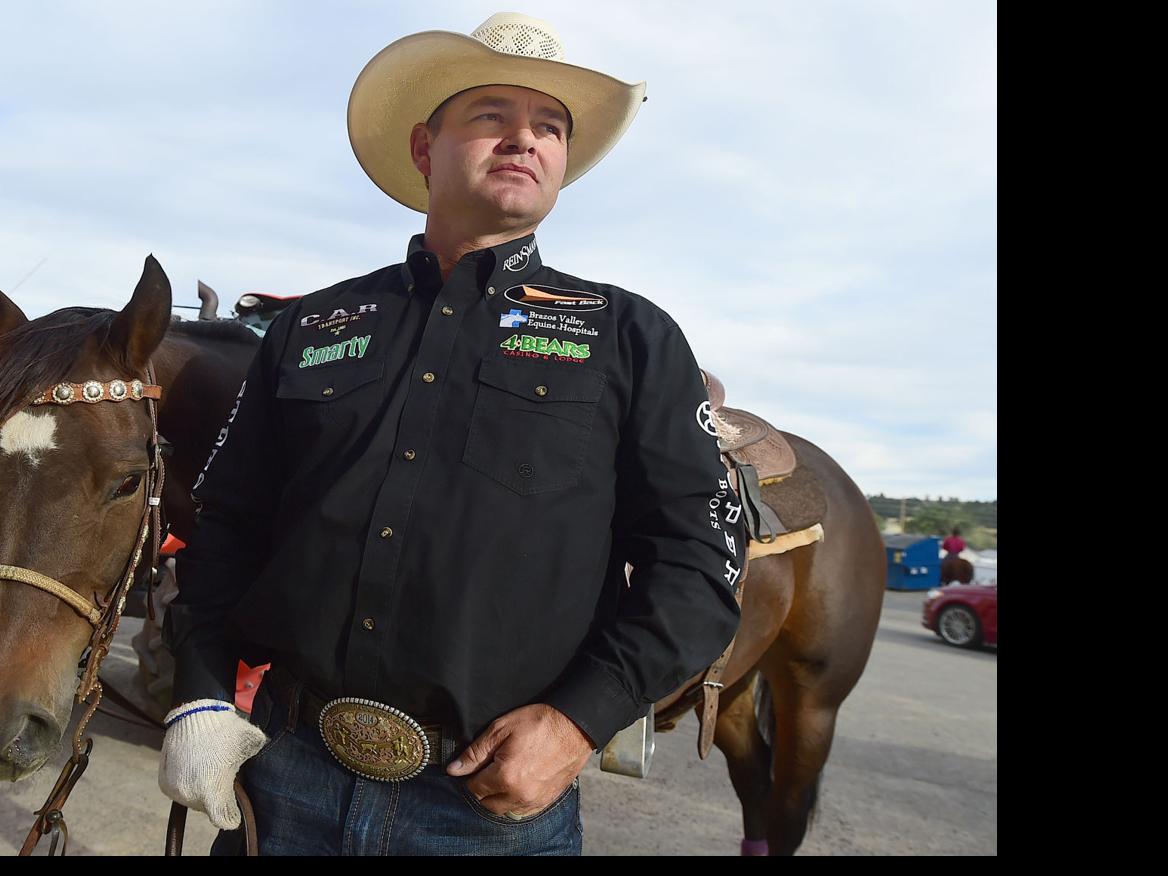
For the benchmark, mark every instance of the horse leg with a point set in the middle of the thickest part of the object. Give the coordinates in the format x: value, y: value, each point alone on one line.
x: 823, y: 646
x: 804, y: 726
x: 811, y: 668
x: 769, y: 593
x: 748, y: 757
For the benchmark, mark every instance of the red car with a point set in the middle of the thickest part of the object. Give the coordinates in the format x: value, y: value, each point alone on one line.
x: 965, y: 615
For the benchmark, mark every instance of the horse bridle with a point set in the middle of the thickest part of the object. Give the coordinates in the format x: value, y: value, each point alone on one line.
x: 106, y: 612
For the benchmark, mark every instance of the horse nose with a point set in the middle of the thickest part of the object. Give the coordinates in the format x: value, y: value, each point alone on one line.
x: 27, y: 740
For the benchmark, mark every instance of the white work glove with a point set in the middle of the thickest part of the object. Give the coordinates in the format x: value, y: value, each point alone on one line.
x: 201, y: 753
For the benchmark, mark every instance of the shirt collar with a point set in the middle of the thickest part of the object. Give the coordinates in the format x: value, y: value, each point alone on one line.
x: 498, y: 267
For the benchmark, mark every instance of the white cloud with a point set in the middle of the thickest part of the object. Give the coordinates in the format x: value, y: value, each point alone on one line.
x: 810, y: 190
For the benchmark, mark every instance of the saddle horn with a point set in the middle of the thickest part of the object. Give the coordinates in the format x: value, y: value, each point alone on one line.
x: 210, y: 302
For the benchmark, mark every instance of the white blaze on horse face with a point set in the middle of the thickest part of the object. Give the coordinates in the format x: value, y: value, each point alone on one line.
x: 31, y: 434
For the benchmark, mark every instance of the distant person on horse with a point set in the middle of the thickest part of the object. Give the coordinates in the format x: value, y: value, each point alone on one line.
x: 421, y: 507
x: 954, y: 544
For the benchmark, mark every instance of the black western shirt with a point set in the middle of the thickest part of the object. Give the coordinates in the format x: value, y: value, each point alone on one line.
x: 427, y: 492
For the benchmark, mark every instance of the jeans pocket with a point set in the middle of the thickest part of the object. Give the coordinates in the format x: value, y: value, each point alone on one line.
x: 270, y: 714
x: 488, y: 815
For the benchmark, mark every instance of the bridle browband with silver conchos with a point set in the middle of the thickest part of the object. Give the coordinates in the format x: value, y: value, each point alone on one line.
x: 106, y: 612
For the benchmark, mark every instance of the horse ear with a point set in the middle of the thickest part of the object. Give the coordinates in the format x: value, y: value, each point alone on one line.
x: 138, y: 330
x: 10, y: 315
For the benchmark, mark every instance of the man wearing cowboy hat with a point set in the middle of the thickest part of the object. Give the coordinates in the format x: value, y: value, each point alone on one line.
x: 422, y: 505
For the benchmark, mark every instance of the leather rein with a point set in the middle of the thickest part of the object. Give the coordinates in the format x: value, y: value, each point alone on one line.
x: 105, y: 612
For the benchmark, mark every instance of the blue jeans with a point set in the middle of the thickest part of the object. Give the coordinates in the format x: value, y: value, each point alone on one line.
x: 306, y: 803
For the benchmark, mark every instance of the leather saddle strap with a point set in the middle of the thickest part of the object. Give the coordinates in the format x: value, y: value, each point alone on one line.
x: 762, y: 524
x: 712, y: 683
x: 176, y: 826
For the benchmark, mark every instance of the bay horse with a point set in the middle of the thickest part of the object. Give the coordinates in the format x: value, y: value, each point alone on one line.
x: 72, y: 480
x: 809, y: 616
x: 809, y: 619
x: 955, y: 568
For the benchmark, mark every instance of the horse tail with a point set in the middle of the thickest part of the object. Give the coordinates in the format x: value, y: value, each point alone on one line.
x: 764, y: 713
x: 813, y: 801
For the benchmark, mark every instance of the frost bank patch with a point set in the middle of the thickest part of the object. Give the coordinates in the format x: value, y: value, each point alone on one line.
x: 354, y: 348
x: 551, y: 298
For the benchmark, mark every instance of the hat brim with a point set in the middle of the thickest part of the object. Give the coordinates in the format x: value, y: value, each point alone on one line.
x: 407, y: 80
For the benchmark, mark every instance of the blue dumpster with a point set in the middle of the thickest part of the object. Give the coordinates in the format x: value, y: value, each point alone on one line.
x: 914, y: 561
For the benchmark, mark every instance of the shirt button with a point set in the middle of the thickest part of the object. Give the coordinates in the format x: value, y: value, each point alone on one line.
x: 490, y: 290
x: 409, y: 454
x: 367, y: 623
x: 386, y: 532
x: 447, y: 310
x: 328, y: 390
x: 541, y: 390
x: 525, y: 470
x: 428, y: 377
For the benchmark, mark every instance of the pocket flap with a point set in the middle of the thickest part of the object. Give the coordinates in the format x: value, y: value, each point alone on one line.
x: 544, y: 381
x: 327, y: 384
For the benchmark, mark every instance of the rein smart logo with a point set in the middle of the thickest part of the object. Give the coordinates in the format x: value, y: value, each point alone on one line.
x: 517, y: 261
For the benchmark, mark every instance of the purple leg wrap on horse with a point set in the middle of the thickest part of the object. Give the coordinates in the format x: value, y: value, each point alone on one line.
x: 755, y: 848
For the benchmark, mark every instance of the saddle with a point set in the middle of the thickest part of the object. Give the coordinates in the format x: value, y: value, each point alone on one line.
x: 755, y: 455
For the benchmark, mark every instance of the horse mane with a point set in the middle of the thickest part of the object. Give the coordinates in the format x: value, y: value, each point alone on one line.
x: 40, y: 353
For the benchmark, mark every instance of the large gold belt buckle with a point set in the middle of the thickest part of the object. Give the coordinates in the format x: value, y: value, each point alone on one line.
x: 374, y: 740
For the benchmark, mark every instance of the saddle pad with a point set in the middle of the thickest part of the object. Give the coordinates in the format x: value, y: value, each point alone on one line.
x: 788, y: 541
x: 798, y: 499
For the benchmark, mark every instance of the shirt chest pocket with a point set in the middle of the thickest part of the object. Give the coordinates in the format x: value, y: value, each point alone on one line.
x: 325, y: 395
x: 531, y: 423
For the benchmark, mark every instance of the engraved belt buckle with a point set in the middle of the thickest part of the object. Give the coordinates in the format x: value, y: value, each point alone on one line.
x: 374, y: 740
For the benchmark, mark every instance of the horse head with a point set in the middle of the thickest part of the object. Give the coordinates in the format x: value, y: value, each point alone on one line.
x: 73, y: 481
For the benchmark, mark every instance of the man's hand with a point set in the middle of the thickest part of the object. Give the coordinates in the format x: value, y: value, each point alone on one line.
x: 526, y: 759
x: 205, y: 744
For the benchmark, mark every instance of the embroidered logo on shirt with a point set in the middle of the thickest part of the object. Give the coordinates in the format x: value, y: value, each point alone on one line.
x: 722, y: 499
x: 219, y: 442
x: 705, y: 417
x: 551, y: 298
x: 517, y: 261
x: 545, y: 347
x: 513, y: 319
x: 561, y: 323
x: 337, y: 321
x: 354, y: 348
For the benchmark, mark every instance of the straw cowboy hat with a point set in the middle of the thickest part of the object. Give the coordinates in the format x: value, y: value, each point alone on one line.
x: 408, y: 79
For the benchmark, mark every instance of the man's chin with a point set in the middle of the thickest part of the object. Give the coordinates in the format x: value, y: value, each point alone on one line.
x: 513, y: 210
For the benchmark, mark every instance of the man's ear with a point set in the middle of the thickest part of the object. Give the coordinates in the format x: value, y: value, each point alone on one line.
x: 420, y: 148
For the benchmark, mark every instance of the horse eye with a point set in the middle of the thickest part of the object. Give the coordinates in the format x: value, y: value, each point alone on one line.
x: 129, y: 486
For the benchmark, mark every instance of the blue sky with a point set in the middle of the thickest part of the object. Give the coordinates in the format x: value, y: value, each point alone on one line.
x: 810, y: 190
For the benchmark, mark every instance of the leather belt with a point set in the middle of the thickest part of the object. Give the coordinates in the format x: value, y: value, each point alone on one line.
x: 442, y: 744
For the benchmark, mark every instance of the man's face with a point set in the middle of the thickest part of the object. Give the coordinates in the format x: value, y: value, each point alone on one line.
x: 499, y: 156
